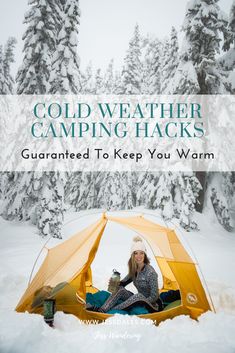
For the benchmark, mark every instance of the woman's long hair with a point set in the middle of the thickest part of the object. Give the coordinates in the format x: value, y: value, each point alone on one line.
x: 132, y: 265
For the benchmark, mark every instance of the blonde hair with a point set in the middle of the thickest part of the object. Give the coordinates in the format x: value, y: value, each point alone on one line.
x: 132, y: 265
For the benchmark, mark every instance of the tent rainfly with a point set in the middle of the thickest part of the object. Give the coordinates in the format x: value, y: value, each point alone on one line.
x: 65, y: 275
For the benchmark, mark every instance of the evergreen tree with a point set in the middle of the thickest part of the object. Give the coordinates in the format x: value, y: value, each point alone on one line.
x: 37, y: 197
x: 171, y: 63
x: 221, y: 194
x: 163, y: 196
x: 221, y: 209
x: 202, y: 178
x: 42, y: 204
x: 87, y: 82
x: 185, y: 80
x: 118, y: 83
x: 174, y: 194
x: 6, y: 87
x: 72, y: 188
x: 204, y: 22
x: 128, y: 190
x: 7, y: 60
x: 21, y: 195
x: 99, y: 89
x: 50, y: 209
x: 229, y: 28
x: 177, y: 185
x: 2, y: 79
x: 228, y: 184
x: 147, y: 183
x: 4, y: 176
x: 115, y: 191
x: 109, y: 79
x: 232, y: 22
x: 190, y: 193
x: 198, y: 71
x: 231, y: 54
x: 39, y: 44
x: 164, y: 61
x: 152, y: 68
x: 227, y: 61
x: 65, y: 77
x: 82, y: 190
x: 132, y: 68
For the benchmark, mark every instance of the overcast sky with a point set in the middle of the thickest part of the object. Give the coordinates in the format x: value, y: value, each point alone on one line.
x: 106, y: 25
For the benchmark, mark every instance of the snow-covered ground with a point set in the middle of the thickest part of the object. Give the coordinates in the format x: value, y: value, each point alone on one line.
x: 213, y: 247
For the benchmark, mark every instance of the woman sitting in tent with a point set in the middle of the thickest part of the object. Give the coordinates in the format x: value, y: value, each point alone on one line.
x: 145, y: 279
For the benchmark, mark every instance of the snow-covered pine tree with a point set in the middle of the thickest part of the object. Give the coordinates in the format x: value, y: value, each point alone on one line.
x: 175, y: 194
x: 171, y: 64
x: 203, y: 25
x: 108, y: 81
x: 2, y: 79
x: 231, y: 53
x: 39, y: 44
x: 6, y: 87
x: 118, y: 83
x: 129, y: 82
x: 4, y: 176
x: 232, y: 22
x: 198, y: 71
x: 50, y: 210
x: 7, y: 60
x: 87, y: 82
x: 221, y: 210
x: 128, y: 180
x: 227, y: 61
x: 147, y: 183
x: 185, y: 79
x: 177, y: 185
x: 29, y: 196
x: 162, y: 196
x: 152, y: 67
x: 101, y: 185
x: 165, y: 60
x: 221, y: 194
x: 115, y: 191
x: 64, y: 79
x: 190, y: 193
x: 202, y: 178
x: 37, y: 197
x: 21, y: 196
x: 99, y: 88
x: 161, y: 191
x: 72, y: 188
x: 83, y: 191
x: 228, y: 186
x: 65, y: 76
x: 132, y: 72
x: 50, y: 204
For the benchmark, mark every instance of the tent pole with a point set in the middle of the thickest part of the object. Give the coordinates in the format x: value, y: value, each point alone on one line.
x: 149, y: 214
x: 44, y: 247
x: 85, y: 215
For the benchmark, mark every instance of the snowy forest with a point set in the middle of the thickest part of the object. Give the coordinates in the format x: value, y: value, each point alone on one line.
x: 202, y: 63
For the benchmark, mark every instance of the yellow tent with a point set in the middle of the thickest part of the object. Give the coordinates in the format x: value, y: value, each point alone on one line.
x: 65, y: 275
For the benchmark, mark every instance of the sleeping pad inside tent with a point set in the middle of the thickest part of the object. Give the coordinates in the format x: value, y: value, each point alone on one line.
x: 65, y: 274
